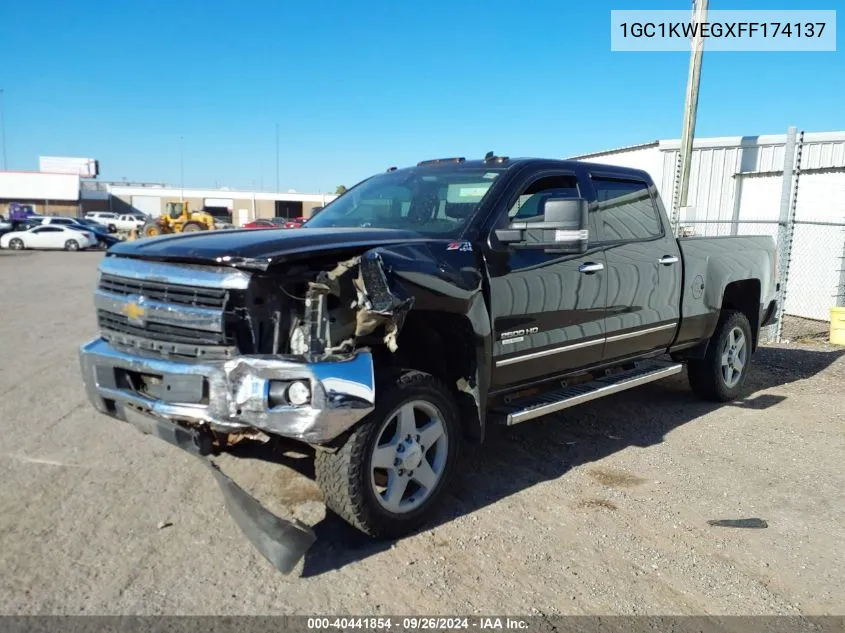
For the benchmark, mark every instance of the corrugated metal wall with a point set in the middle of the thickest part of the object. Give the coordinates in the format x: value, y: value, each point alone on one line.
x: 714, y: 173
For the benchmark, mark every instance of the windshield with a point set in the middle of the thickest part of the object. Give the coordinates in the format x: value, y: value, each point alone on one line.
x: 436, y: 203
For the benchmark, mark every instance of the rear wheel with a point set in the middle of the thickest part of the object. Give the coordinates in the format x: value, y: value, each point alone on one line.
x: 71, y: 245
x: 721, y: 374
x: 152, y: 230
x: 192, y: 227
x: 395, y: 467
x: 16, y: 244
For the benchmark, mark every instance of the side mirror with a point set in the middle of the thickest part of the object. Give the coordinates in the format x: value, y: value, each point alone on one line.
x: 562, y: 227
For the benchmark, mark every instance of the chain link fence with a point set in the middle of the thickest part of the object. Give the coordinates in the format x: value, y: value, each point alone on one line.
x: 811, y: 265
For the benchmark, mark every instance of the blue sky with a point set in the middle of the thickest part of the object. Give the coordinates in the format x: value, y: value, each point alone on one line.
x: 356, y: 87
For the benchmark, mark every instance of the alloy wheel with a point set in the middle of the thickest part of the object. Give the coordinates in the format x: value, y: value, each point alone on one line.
x: 409, y: 456
x: 734, y: 356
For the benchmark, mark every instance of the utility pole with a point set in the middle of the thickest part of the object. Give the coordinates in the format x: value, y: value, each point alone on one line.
x: 181, y: 169
x: 699, y: 14
x: 277, y: 158
x: 3, y: 130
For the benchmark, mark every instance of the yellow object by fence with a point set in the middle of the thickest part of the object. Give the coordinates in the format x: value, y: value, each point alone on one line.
x: 837, y: 326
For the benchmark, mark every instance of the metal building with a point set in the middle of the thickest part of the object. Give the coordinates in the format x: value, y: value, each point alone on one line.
x: 736, y: 187
x: 240, y: 206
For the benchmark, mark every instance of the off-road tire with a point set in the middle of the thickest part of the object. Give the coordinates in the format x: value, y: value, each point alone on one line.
x: 71, y: 245
x: 192, y: 227
x: 344, y: 476
x: 151, y: 230
x: 16, y: 244
x: 705, y: 374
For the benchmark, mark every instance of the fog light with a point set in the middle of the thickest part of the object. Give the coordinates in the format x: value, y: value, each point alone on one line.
x: 299, y: 393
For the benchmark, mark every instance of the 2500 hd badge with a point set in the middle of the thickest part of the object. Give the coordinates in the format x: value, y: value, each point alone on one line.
x: 517, y: 336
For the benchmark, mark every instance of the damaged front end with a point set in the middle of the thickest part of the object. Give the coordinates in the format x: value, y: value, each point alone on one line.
x: 374, y: 304
x: 203, y: 356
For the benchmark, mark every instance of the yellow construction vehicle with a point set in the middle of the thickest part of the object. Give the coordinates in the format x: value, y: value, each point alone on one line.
x: 178, y: 219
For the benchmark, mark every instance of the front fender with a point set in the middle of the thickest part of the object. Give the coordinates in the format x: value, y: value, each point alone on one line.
x: 441, y: 279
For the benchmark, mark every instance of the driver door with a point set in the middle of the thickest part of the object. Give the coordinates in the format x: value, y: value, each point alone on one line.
x: 548, y: 309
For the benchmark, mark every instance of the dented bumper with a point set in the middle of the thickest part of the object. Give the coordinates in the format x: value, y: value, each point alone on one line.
x: 233, y: 395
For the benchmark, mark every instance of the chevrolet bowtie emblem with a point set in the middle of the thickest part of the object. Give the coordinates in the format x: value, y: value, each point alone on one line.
x: 135, y: 312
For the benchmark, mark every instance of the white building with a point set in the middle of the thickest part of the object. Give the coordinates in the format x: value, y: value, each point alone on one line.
x: 736, y: 186
x: 241, y: 206
x: 68, y: 194
x: 46, y: 193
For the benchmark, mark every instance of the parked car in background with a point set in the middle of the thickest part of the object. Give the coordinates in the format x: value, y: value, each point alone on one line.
x: 261, y: 224
x: 294, y: 223
x: 5, y: 225
x: 222, y: 217
x: 103, y: 218
x: 129, y: 222
x: 61, y: 220
x: 118, y: 221
x: 105, y: 238
x: 50, y: 236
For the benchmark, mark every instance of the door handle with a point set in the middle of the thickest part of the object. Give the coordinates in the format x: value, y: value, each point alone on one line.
x: 666, y: 260
x: 588, y: 268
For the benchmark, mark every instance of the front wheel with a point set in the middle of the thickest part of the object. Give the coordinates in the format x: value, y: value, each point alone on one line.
x: 71, y: 245
x: 16, y: 244
x: 721, y: 374
x: 393, y: 470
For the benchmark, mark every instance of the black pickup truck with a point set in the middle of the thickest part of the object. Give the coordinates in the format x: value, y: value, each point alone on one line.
x: 414, y: 311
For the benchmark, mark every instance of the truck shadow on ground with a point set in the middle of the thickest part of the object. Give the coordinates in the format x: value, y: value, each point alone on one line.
x: 514, y: 459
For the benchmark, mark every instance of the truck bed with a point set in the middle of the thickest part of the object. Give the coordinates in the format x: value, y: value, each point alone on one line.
x: 710, y: 264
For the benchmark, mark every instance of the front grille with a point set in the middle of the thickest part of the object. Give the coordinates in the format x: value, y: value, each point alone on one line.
x: 159, y: 332
x: 165, y: 292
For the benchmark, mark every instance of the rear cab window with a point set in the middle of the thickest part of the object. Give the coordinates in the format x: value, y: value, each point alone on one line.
x: 626, y: 210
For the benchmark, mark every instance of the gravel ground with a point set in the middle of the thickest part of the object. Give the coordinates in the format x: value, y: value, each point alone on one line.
x: 604, y: 511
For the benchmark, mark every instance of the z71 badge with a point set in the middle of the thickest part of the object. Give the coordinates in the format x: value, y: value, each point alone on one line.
x: 463, y: 245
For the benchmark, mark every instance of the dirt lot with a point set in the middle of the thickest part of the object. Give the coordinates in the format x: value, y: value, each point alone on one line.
x: 602, y: 512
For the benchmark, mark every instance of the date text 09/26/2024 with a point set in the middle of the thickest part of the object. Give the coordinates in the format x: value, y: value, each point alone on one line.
x: 416, y: 623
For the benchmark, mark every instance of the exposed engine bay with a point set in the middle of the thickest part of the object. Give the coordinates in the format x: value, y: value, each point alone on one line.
x: 318, y: 308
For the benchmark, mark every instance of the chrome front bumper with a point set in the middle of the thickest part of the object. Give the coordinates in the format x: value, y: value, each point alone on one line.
x: 235, y: 393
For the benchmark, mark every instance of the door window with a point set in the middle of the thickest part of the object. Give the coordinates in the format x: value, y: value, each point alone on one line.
x: 526, y: 208
x: 626, y: 210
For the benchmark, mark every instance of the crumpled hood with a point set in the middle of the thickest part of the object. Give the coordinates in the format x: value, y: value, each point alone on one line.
x: 258, y: 249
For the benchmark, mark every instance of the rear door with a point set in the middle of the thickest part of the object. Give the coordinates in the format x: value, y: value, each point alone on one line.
x: 547, y: 308
x: 643, y: 266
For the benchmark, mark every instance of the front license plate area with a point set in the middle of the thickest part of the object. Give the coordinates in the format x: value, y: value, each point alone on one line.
x: 175, y: 388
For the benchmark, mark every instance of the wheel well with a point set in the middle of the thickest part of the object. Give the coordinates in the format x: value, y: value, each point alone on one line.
x: 443, y: 344
x: 744, y: 296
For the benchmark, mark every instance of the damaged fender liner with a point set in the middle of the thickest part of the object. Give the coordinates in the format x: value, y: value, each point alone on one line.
x: 283, y: 543
x: 376, y: 303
